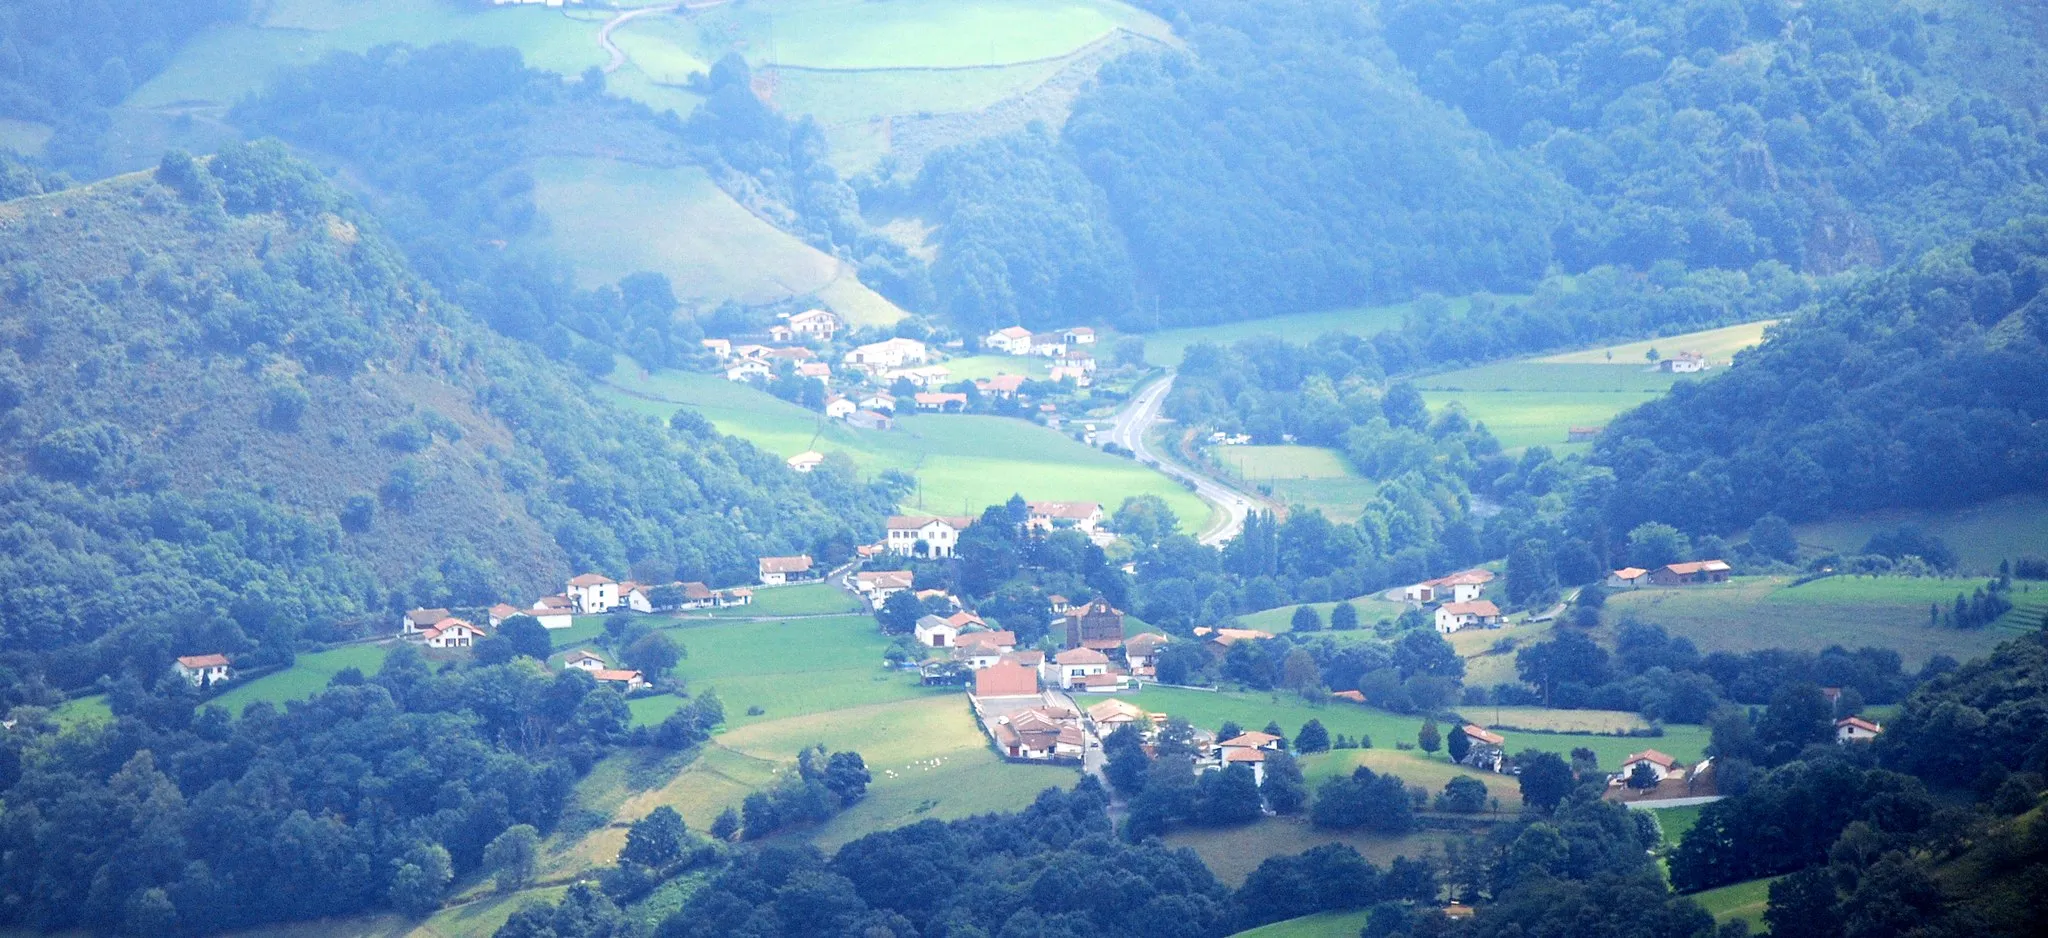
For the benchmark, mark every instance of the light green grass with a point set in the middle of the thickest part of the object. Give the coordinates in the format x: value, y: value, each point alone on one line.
x: 977, y: 367
x: 1740, y: 902
x: 1676, y: 821
x: 1490, y: 653
x: 307, y: 676
x: 614, y: 218
x: 1521, y: 419
x: 1319, y: 925
x: 964, y: 463
x: 1719, y: 345
x: 1165, y: 347
x: 1749, y: 613
x: 1559, y: 721
x: 1232, y: 853
x: 1981, y: 535
x: 788, y: 669
x: 80, y: 711
x: 1415, y: 768
x: 1545, y: 376
x: 1371, y: 609
x: 803, y: 599
x: 229, y: 61
x: 1254, y: 710
x: 1310, y: 477
x: 24, y: 137
x: 477, y: 919
x: 853, y: 34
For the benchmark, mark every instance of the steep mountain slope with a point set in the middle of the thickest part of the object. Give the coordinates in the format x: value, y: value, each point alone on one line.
x: 230, y: 414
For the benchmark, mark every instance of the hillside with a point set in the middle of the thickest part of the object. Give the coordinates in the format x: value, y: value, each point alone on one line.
x: 232, y: 414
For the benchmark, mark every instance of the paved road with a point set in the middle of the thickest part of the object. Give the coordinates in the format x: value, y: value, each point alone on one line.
x: 1128, y: 431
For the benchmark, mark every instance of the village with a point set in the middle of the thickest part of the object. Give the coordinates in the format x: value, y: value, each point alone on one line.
x: 874, y: 382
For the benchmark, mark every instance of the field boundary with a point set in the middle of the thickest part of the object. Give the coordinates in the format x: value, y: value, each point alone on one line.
x: 1115, y: 33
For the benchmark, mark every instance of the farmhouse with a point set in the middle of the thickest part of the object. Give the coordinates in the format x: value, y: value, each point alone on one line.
x: 1039, y: 733
x: 975, y: 657
x: 880, y: 400
x: 790, y: 353
x: 1074, y: 664
x: 818, y: 370
x: 1582, y: 434
x: 584, y: 660
x: 553, y: 615
x: 1078, y: 516
x: 871, y: 420
x: 1006, y: 680
x: 934, y: 632
x: 697, y: 596
x: 203, y: 670
x: 1691, y: 573
x: 941, y: 401
x: 1847, y: 729
x: 638, y: 597
x: 806, y: 461
x: 776, y: 571
x: 1047, y: 344
x: 1078, y: 335
x: 1484, y: 751
x: 887, y: 354
x: 1113, y: 713
x: 1220, y: 640
x: 737, y: 596
x: 840, y: 407
x: 1069, y: 372
x: 1248, y: 749
x: 1661, y: 765
x: 814, y: 323
x: 451, y: 633
x: 629, y: 680
x: 1033, y: 659
x: 1000, y: 385
x: 747, y: 369
x: 1628, y: 578
x: 593, y: 593
x: 1002, y: 642
x: 1014, y: 340
x: 1097, y: 625
x: 419, y: 620
x: 925, y: 537
x: 1142, y: 653
x: 1684, y: 363
x: 879, y: 585
x: 722, y: 348
x: 497, y: 614
x: 1451, y: 617
x: 1060, y: 605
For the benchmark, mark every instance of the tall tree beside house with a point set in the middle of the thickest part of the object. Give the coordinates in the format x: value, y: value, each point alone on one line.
x: 1545, y: 779
x: 899, y: 613
x: 1285, y: 789
x: 1458, y: 744
x: 1312, y: 738
x: 1429, y: 738
x: 654, y: 655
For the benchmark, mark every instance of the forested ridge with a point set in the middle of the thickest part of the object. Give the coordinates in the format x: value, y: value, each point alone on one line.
x: 232, y: 417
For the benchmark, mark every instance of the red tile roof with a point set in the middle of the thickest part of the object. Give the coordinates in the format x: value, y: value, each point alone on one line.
x: 1005, y: 680
x: 590, y: 579
x: 1251, y: 740
x: 1651, y: 756
x: 1857, y: 722
x: 200, y: 662
x: 1477, y: 607
x: 800, y: 563
x: 1081, y: 656
x: 1480, y: 735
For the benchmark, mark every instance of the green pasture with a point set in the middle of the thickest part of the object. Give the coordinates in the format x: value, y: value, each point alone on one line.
x: 1557, y: 721
x: 1719, y: 345
x: 1981, y: 535
x: 963, y: 463
x: 1233, y: 852
x: 229, y: 61
x: 307, y: 676
x: 1312, y: 477
x: 980, y: 367
x: 79, y: 711
x: 1490, y: 653
x: 854, y: 34
x: 1253, y: 710
x: 1750, y: 613
x: 1414, y: 767
x: 1676, y: 821
x: 1166, y: 346
x: 475, y: 919
x: 803, y: 599
x: 1520, y: 419
x: 788, y: 668
x: 1319, y: 925
x: 1744, y: 902
x: 1371, y: 609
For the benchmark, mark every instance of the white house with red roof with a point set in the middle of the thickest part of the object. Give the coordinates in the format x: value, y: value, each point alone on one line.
x: 1479, y: 613
x: 1664, y: 766
x: 814, y: 324
x: 1011, y: 340
x: 1071, y: 668
x: 1629, y: 578
x: 776, y: 571
x: 1078, y: 516
x: 1078, y: 335
x: 416, y: 621
x: 584, y: 660
x: 628, y: 680
x: 1856, y: 730
x: 452, y: 633
x: 593, y: 593
x: 203, y: 670
x: 927, y: 537
x: 1141, y: 652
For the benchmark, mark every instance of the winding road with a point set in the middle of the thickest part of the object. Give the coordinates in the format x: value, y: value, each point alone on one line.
x: 1128, y: 431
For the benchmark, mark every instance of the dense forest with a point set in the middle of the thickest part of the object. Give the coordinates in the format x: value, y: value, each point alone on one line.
x: 232, y: 417
x: 1316, y: 153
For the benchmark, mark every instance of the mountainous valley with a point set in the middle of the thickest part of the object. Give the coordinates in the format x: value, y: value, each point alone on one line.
x: 1407, y: 469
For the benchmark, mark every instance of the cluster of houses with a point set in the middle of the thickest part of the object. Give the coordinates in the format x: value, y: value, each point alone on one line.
x: 1456, y: 601
x: 1690, y: 573
x: 939, y: 537
x: 594, y: 663
x: 1068, y: 348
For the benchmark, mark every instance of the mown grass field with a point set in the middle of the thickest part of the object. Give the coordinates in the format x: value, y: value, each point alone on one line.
x: 1981, y: 535
x: 964, y: 463
x: 307, y: 676
x: 79, y: 711
x: 787, y: 668
x: 1166, y: 346
x: 613, y: 218
x: 1490, y: 653
x: 1312, y: 477
x: 1319, y: 925
x: 1749, y: 613
x: 1559, y: 721
x: 1535, y: 402
x: 1676, y: 821
x: 1253, y: 710
x: 1416, y: 768
x: 1744, y: 902
x: 1719, y: 345
x: 803, y: 599
x: 1371, y: 609
x: 1233, y: 852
